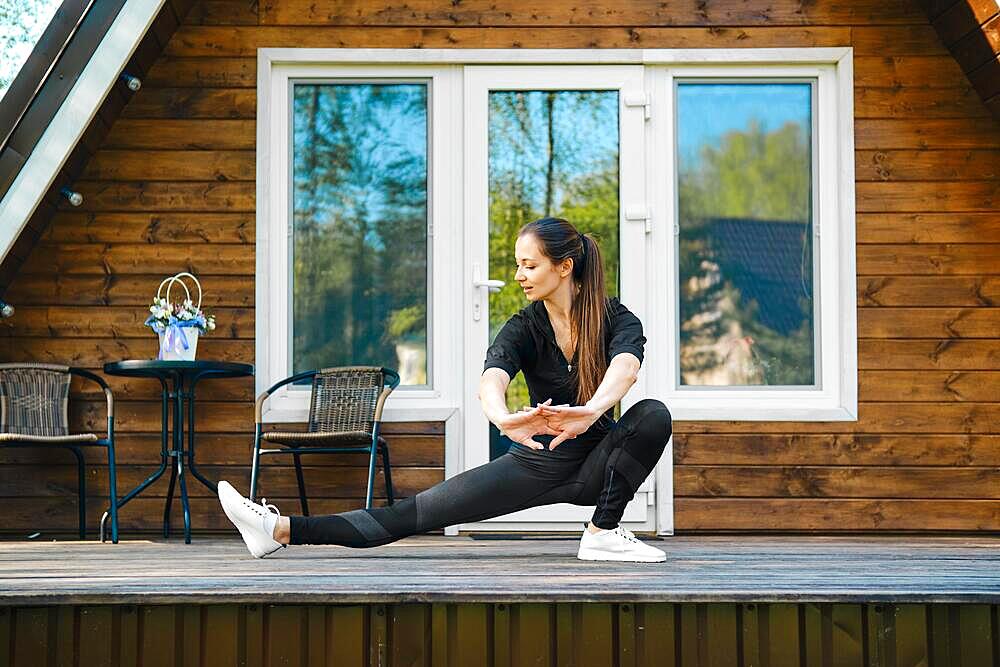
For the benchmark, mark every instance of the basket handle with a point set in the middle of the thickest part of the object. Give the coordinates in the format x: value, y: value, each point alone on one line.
x: 169, y: 282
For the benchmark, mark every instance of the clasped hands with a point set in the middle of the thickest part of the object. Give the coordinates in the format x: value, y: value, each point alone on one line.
x: 563, y: 421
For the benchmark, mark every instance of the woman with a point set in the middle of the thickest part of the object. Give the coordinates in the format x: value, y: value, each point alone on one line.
x: 567, y: 449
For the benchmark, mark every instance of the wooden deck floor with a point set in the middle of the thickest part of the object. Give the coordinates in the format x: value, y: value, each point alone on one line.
x: 461, y: 569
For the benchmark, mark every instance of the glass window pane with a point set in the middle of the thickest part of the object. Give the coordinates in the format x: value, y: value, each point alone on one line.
x: 551, y: 153
x: 359, y: 246
x: 744, y: 157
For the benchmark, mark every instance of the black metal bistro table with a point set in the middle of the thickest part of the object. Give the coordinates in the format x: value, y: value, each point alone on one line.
x: 177, y: 380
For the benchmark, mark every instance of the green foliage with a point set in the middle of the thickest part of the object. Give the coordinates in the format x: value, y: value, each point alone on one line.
x: 751, y: 174
x: 407, y: 322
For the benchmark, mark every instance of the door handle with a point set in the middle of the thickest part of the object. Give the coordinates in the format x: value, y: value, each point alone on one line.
x: 494, y: 285
x: 478, y: 282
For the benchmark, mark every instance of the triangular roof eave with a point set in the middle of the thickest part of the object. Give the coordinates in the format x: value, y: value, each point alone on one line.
x: 970, y: 30
x: 74, y: 114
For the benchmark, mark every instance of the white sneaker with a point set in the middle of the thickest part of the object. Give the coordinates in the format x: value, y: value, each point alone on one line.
x: 255, y: 522
x: 618, y: 544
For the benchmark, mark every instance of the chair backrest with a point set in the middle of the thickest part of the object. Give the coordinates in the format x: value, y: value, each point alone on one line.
x: 34, y: 399
x: 348, y: 398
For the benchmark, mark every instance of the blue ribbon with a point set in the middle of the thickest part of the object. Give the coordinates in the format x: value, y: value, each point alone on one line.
x: 174, y: 338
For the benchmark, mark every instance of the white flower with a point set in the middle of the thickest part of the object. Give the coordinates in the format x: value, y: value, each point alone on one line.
x: 211, y: 325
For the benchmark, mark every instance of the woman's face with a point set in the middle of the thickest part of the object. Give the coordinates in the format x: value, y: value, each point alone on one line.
x: 536, y: 274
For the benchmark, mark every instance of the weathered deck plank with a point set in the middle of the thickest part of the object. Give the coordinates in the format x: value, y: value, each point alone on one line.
x: 461, y: 569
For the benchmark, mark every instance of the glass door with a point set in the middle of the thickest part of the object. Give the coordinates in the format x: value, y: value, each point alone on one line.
x: 563, y: 141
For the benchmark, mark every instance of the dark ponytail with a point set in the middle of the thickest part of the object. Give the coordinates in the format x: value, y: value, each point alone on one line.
x: 560, y: 240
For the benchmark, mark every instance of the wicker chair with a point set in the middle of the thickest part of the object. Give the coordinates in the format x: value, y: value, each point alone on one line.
x: 34, y: 412
x: 345, y: 414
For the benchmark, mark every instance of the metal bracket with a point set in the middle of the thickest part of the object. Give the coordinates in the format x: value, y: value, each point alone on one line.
x: 640, y: 99
x: 640, y: 213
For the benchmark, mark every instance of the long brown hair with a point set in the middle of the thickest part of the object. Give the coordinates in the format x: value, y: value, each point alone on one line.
x: 560, y: 240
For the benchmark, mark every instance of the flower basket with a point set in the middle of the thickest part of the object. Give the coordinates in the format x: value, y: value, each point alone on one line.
x: 172, y: 345
x: 178, y: 326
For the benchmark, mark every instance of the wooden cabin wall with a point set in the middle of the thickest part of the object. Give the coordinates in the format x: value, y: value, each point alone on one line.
x: 173, y: 189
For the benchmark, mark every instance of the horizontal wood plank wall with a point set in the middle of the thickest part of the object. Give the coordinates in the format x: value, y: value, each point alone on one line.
x: 172, y: 188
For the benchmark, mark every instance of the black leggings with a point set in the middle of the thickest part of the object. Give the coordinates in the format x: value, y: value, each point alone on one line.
x: 606, y: 475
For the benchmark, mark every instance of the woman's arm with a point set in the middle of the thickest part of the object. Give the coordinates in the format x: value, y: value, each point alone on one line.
x: 520, y: 427
x: 492, y: 394
x: 621, y: 375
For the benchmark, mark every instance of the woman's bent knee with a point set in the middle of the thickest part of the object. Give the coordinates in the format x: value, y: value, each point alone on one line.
x: 653, y: 417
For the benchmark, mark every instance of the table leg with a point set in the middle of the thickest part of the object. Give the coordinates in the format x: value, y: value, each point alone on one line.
x: 164, y: 394
x: 170, y: 500
x: 184, y: 500
x: 137, y: 490
x: 212, y: 486
x: 173, y: 451
x: 179, y: 395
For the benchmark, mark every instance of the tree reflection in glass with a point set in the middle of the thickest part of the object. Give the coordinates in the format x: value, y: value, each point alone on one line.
x: 359, y: 231
x: 745, y: 215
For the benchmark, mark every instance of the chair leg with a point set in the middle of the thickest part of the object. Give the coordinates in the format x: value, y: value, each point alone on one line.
x: 113, y: 491
x: 302, y: 485
x: 371, y: 475
x: 81, y: 491
x: 387, y: 470
x: 255, y: 467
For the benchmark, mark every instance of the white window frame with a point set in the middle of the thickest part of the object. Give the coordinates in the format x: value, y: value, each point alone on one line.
x: 275, y: 77
x: 835, y: 398
x: 834, y: 242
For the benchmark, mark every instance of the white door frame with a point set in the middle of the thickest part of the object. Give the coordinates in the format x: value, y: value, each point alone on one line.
x: 478, y: 81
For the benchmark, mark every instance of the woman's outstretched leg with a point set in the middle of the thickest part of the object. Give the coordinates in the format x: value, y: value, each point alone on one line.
x: 504, y: 485
x: 499, y: 487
